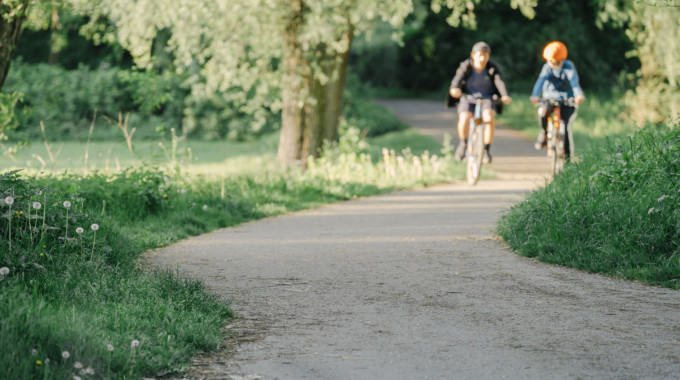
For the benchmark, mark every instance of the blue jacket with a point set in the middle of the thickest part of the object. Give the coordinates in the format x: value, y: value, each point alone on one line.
x: 558, y: 84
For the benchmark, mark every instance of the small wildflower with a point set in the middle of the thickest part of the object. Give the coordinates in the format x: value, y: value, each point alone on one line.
x: 80, y: 230
x: 65, y: 355
x: 47, y: 361
x: 205, y: 207
x: 78, y: 365
x: 4, y: 271
x: 34, y: 352
x: 662, y: 198
x: 42, y: 254
x: 94, y: 226
x: 651, y: 210
x: 89, y: 371
x: 183, y: 191
x: 38, y: 362
x: 161, y: 244
x: 165, y: 195
x: 37, y: 205
x: 67, y: 204
x: 134, y: 343
x: 109, y: 347
x: 9, y: 200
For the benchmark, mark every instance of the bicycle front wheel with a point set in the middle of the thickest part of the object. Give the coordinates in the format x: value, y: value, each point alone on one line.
x: 475, y: 155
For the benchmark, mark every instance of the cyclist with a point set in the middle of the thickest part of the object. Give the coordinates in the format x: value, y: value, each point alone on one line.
x: 558, y: 81
x: 477, y: 75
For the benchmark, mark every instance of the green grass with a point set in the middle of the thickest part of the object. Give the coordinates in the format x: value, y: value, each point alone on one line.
x: 614, y: 212
x: 79, y: 299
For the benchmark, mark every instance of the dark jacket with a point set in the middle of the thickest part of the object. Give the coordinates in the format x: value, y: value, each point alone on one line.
x: 465, y: 70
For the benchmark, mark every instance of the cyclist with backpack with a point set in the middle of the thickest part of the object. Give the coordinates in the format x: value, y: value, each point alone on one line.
x: 477, y: 75
x: 558, y: 81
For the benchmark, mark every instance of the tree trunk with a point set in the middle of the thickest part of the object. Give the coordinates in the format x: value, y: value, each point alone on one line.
x: 10, y: 27
x: 293, y: 112
x: 311, y: 108
x: 55, y: 27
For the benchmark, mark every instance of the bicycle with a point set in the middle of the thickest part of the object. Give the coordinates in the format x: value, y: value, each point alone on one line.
x: 475, y: 143
x: 556, y: 133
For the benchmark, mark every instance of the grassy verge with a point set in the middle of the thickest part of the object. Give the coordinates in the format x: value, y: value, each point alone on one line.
x: 614, y: 212
x: 74, y: 299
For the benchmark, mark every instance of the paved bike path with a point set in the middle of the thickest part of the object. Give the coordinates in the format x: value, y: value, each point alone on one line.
x: 414, y: 285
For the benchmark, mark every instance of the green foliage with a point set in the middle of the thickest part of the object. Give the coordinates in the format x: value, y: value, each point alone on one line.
x: 432, y: 49
x: 617, y: 209
x: 652, y: 27
x: 66, y: 101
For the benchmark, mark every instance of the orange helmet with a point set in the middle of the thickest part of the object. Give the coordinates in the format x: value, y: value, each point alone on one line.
x: 555, y: 50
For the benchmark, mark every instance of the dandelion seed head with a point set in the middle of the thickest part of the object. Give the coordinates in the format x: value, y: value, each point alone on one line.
x: 205, y: 207
x: 67, y: 204
x: 65, y: 355
x: 94, y: 226
x: 109, y: 347
x: 46, y: 361
x: 37, y: 205
x: 4, y: 271
x: 80, y: 230
x: 134, y: 343
x: 89, y: 371
x: 78, y: 365
x: 9, y: 200
x: 34, y: 352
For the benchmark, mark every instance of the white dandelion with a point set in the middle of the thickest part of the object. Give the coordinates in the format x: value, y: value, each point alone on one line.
x: 4, y: 271
x: 37, y: 205
x: 9, y: 200
x: 65, y: 355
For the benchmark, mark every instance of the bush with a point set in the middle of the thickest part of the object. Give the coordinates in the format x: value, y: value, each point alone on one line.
x: 615, y: 212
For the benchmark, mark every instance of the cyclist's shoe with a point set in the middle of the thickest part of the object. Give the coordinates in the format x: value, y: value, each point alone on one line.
x: 460, y: 151
x: 541, y: 141
x: 486, y: 157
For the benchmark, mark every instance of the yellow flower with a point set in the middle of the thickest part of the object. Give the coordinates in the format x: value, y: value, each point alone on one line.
x: 161, y: 244
x: 38, y: 362
x: 165, y: 195
x: 42, y: 254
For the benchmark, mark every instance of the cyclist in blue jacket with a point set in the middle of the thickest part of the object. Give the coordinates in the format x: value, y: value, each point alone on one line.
x: 558, y: 81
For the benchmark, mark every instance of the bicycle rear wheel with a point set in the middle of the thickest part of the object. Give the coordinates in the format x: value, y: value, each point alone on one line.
x: 475, y: 154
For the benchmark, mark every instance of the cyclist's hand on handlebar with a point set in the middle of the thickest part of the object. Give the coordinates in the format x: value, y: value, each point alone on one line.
x: 506, y: 99
x: 534, y: 99
x: 579, y: 99
x: 456, y: 92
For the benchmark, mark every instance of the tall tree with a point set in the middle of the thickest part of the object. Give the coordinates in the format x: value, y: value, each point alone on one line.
x: 12, y: 15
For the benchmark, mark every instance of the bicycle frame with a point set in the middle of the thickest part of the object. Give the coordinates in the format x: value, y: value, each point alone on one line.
x: 475, y: 144
x: 556, y: 133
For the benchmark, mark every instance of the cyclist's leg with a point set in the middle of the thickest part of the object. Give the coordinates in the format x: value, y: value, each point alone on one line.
x: 464, y: 117
x: 543, y: 114
x: 489, y: 119
x: 568, y: 115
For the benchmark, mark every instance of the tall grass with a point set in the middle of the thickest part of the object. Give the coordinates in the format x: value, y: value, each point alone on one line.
x: 613, y: 212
